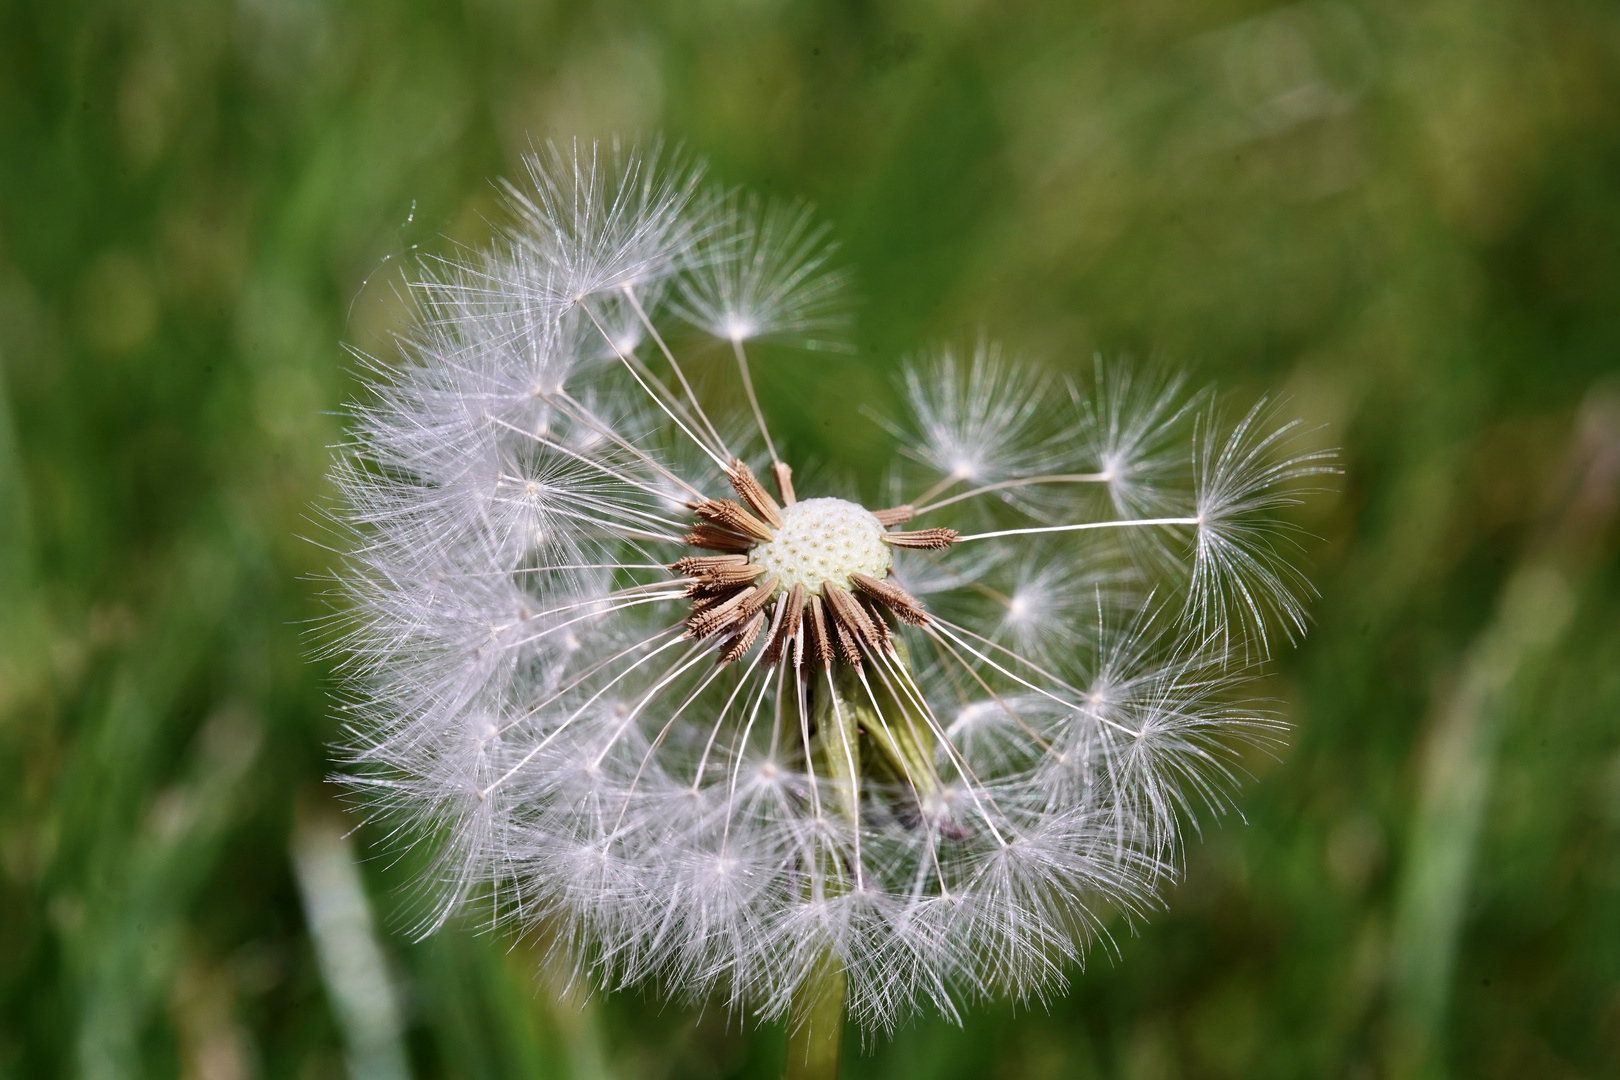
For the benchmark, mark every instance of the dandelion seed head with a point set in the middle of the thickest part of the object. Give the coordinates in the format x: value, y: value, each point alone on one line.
x: 625, y: 675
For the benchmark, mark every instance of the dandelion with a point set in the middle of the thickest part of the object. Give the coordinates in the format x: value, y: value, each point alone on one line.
x: 806, y: 754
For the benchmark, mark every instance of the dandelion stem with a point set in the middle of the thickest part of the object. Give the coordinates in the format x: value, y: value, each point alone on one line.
x: 816, y: 1022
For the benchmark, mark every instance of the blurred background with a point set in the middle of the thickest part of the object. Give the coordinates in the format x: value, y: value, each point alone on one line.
x: 1404, y: 216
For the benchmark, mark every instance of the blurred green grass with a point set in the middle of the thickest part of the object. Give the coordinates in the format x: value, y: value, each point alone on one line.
x: 1404, y: 217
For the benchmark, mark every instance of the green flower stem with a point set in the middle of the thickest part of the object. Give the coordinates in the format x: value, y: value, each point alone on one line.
x: 816, y: 1017
x: 816, y: 1022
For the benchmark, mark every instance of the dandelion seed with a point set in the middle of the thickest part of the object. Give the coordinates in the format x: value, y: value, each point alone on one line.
x: 761, y: 270
x: 786, y: 748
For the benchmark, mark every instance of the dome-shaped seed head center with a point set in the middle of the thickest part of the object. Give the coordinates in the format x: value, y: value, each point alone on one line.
x: 824, y: 540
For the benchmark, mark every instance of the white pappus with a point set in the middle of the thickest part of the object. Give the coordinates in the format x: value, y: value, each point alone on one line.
x: 719, y: 735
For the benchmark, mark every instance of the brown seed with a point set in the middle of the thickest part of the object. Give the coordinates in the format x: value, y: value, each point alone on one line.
x: 743, y: 640
x: 928, y: 539
x: 732, y: 612
x: 731, y: 515
x: 707, y: 603
x: 778, y: 616
x: 895, y: 515
x: 903, y: 604
x: 707, y: 536
x: 759, y: 597
x: 874, y: 612
x: 841, y: 633
x: 784, y: 482
x: 786, y: 627
x: 711, y: 620
x: 752, y: 492
x: 724, y: 579
x: 694, y: 565
x: 819, y: 644
x: 850, y: 616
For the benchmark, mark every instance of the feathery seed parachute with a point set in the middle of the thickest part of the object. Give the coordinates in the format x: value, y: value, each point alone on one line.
x: 720, y: 733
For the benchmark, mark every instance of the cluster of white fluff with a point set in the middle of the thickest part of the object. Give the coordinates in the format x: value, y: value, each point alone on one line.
x: 528, y: 699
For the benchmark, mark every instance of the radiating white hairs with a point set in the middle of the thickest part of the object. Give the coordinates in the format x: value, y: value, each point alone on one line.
x: 692, y: 773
